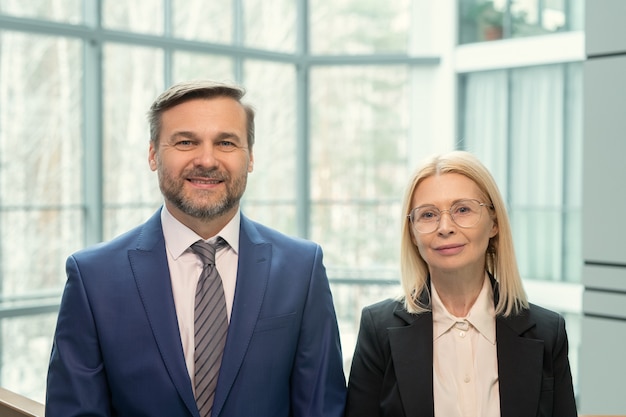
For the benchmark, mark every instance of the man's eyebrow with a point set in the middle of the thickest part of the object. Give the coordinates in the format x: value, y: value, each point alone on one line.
x: 191, y: 135
x: 228, y: 135
x: 184, y: 134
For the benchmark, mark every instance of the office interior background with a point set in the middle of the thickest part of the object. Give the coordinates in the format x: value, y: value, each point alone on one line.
x: 350, y: 95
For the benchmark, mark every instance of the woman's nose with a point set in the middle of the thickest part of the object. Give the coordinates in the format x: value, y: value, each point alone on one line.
x: 446, y: 224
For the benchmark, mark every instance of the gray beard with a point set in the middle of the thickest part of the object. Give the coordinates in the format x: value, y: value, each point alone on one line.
x: 202, y: 212
x: 172, y: 191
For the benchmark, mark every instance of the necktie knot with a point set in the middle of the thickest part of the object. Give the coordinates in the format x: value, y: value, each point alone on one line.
x: 206, y: 251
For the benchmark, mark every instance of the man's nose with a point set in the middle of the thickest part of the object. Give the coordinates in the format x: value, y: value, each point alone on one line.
x: 206, y: 155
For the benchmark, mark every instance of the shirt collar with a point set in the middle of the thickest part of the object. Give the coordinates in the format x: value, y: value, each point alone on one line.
x: 481, y: 316
x: 178, y: 237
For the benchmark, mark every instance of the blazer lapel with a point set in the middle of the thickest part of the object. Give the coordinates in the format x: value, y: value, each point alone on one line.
x: 520, y: 364
x: 412, y: 353
x: 151, y: 272
x: 253, y: 271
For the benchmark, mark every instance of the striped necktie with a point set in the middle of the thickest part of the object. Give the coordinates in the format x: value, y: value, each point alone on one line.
x: 210, y: 326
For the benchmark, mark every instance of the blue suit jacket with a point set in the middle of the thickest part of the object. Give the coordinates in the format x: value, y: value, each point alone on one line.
x: 117, y: 349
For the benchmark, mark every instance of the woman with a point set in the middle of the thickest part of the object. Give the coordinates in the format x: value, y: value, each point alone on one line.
x: 463, y: 339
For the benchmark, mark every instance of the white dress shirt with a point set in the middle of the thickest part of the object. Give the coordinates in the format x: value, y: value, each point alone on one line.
x: 185, y: 268
x: 465, y: 359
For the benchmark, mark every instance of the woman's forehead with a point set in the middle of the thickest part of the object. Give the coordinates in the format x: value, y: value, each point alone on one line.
x: 445, y: 189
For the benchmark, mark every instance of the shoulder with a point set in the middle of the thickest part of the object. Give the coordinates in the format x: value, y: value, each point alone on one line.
x: 117, y: 243
x: 386, y: 313
x: 259, y: 233
x: 145, y: 236
x: 540, y: 323
x: 543, y: 315
x: 384, y: 307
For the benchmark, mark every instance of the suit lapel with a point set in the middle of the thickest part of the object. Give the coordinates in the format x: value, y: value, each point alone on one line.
x: 520, y: 364
x: 252, y: 277
x: 412, y: 353
x: 150, y: 269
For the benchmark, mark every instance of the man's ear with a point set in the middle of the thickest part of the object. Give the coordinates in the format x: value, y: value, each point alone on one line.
x: 152, y: 157
x: 251, y: 163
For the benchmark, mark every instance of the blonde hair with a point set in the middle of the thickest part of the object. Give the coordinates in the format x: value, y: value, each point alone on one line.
x: 500, y: 258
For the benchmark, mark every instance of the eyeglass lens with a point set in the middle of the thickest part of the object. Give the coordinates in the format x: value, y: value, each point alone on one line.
x: 465, y: 213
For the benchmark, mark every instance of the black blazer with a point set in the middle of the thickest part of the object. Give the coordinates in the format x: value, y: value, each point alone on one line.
x: 392, y: 367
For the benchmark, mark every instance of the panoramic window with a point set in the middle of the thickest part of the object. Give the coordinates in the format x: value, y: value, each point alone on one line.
x: 486, y: 20
x: 349, y: 96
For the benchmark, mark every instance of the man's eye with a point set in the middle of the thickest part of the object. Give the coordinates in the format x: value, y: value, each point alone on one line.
x: 226, y: 145
x: 183, y: 144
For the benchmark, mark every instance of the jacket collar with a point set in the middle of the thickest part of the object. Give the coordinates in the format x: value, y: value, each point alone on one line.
x: 520, y: 360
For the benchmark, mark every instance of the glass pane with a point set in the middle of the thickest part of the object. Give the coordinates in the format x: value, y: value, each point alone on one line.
x: 359, y: 135
x: 532, y: 17
x: 575, y: 14
x: 542, y: 182
x: 359, y: 26
x: 26, y: 343
x: 130, y: 85
x: 572, y: 239
x: 270, y: 24
x: 485, y: 122
x: 526, y: 18
x: 281, y: 217
x: 553, y: 16
x: 270, y: 195
x: 349, y: 299
x: 40, y: 159
x: 144, y: 16
x: 481, y: 20
x: 202, y: 20
x: 537, y: 170
x: 52, y: 234
x: 189, y: 66
x: 68, y: 11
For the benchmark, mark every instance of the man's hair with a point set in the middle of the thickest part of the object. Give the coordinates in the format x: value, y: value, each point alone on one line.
x: 197, y: 89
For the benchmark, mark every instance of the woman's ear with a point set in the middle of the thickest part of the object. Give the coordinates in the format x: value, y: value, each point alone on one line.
x: 494, y: 229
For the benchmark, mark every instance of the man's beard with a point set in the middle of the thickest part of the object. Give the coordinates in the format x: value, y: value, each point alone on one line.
x: 174, y: 191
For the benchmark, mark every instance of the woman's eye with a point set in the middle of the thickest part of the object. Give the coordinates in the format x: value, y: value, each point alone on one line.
x: 463, y: 210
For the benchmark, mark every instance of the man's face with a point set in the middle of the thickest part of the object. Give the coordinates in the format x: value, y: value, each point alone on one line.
x: 203, y: 158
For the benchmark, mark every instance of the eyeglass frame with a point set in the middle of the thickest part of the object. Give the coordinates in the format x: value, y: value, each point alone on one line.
x: 481, y: 204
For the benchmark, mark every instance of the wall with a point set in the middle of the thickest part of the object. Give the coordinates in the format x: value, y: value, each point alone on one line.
x: 603, y: 347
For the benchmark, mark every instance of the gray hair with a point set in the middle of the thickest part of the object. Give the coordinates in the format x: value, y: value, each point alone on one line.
x: 197, y: 89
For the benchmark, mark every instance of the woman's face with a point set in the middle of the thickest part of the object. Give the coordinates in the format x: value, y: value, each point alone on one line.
x: 451, y: 248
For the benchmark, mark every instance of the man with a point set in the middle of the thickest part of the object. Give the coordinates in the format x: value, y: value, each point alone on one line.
x: 124, y: 343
